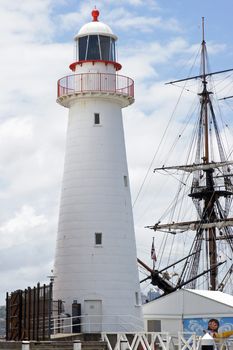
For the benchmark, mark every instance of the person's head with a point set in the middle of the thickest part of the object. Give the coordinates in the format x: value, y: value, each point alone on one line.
x: 213, y: 325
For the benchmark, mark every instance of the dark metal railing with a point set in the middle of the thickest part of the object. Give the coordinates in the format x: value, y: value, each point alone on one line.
x: 29, y: 313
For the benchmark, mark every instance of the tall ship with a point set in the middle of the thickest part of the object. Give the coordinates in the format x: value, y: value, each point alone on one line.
x: 193, y: 240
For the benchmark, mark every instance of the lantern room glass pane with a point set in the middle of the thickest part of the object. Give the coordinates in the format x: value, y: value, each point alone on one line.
x: 82, y: 47
x: 93, y: 52
x: 105, y: 47
x: 112, y: 56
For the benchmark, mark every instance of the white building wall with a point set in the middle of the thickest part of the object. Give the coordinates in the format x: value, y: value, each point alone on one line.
x: 169, y: 305
x: 172, y: 325
x: 95, y: 67
x: 194, y: 304
x: 184, y: 304
x: 168, y: 324
x: 96, y: 199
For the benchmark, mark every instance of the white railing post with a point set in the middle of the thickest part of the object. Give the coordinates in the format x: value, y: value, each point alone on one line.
x: 25, y: 345
x: 124, y: 345
x: 179, y: 341
x: 194, y: 341
x: 77, y: 345
x: 207, y: 342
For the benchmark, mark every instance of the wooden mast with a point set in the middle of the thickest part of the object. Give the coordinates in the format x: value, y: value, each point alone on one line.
x: 205, y: 96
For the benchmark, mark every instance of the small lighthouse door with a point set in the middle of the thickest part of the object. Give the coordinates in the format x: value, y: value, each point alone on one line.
x: 93, y: 316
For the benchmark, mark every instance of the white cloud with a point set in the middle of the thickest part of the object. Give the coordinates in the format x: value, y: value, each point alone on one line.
x: 121, y: 18
x: 15, y: 133
x: 126, y: 20
x: 32, y: 135
x: 17, y: 227
x: 25, y: 20
x: 141, y: 61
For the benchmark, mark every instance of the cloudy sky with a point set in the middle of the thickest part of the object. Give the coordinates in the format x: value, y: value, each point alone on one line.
x: 158, y: 41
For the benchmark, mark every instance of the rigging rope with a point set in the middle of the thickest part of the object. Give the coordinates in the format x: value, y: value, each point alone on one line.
x: 164, y: 133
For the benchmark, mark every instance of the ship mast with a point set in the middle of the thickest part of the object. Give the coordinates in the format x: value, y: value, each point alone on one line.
x: 204, y: 95
x: 211, y: 200
x: 209, y: 214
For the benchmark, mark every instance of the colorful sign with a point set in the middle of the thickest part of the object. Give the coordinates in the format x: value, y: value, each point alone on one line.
x: 220, y: 327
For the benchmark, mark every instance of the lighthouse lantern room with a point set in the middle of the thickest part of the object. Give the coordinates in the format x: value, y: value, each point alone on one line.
x: 95, y: 261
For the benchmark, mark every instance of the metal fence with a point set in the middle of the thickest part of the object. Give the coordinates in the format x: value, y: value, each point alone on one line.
x: 29, y: 313
x: 95, y: 82
x: 160, y: 341
x: 94, y: 324
x: 126, y: 340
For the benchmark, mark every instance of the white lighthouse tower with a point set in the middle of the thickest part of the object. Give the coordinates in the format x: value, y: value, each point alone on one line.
x: 95, y: 262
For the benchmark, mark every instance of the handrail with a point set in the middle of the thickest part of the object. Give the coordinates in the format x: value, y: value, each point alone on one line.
x: 90, y: 322
x: 95, y: 82
x: 100, y: 315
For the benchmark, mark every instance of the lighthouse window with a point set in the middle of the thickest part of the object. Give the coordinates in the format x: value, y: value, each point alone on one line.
x: 105, y: 47
x: 98, y: 238
x: 125, y: 181
x: 82, y: 47
x: 97, y: 118
x: 93, y: 52
x: 137, y: 298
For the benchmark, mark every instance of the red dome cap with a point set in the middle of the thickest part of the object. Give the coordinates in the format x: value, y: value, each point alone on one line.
x: 95, y: 14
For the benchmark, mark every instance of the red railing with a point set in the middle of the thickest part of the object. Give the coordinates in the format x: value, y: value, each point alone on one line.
x: 95, y: 82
